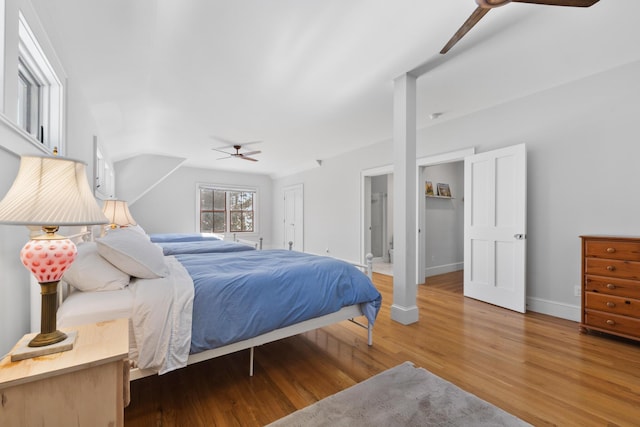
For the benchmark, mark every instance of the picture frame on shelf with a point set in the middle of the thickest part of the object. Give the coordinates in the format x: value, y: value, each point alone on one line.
x: 444, y: 190
x: 428, y: 188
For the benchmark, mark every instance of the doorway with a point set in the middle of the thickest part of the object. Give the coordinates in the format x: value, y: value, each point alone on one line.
x: 443, y: 230
x: 443, y: 169
x: 377, y: 218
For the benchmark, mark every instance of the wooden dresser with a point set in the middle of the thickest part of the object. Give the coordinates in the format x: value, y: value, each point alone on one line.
x: 611, y: 285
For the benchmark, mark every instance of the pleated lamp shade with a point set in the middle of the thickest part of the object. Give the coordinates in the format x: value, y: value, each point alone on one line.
x: 117, y: 212
x: 50, y: 191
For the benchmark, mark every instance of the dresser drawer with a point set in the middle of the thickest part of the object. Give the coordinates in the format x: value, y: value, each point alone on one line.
x: 612, y: 286
x: 612, y: 268
x: 628, y: 326
x: 624, y: 250
x: 612, y: 304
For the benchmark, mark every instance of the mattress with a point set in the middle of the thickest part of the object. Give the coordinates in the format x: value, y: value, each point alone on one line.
x: 203, y: 247
x: 81, y: 308
x: 184, y: 237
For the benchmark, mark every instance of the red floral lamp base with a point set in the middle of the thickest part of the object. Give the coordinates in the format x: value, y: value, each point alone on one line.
x: 48, y: 257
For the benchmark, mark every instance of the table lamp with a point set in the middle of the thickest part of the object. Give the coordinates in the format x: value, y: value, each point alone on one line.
x: 49, y: 192
x: 117, y: 212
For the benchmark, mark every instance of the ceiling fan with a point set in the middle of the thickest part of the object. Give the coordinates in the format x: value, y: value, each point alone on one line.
x: 485, y: 5
x: 238, y: 154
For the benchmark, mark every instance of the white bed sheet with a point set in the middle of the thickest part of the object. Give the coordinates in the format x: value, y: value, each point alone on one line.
x: 159, y: 312
x: 82, y: 308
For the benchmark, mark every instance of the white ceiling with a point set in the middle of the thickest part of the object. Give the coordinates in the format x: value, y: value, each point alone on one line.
x: 312, y: 79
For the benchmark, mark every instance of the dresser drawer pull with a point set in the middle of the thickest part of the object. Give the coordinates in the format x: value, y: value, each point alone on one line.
x: 611, y: 304
x: 611, y: 268
x: 611, y: 286
x: 611, y: 322
x: 611, y: 250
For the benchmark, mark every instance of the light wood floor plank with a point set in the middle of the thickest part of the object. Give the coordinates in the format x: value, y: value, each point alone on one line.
x: 537, y: 367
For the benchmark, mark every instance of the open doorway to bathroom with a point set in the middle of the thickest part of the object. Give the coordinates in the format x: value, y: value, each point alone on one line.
x: 381, y: 228
x: 377, y: 218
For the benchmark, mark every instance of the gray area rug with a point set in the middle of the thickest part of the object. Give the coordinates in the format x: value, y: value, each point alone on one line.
x: 401, y: 396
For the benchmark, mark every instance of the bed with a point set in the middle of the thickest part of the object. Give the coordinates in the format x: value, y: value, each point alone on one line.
x: 201, y: 242
x: 191, y: 307
x: 183, y: 237
x: 204, y: 247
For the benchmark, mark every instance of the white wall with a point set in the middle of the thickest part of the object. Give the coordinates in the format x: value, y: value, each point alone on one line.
x: 582, y: 156
x: 14, y: 279
x: 139, y: 174
x: 332, y: 202
x: 171, y: 205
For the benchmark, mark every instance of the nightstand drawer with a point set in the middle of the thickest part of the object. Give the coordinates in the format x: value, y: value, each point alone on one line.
x: 612, y: 268
x: 612, y: 304
x: 612, y: 286
x: 625, y: 250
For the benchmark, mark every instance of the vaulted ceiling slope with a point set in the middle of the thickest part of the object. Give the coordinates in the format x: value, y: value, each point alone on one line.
x: 312, y: 79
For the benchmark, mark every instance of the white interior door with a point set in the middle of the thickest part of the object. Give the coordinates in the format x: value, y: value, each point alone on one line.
x: 495, y: 227
x: 294, y: 217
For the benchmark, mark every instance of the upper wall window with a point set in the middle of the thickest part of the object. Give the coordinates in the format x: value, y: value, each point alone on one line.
x: 225, y: 210
x: 29, y: 116
x: 40, y: 91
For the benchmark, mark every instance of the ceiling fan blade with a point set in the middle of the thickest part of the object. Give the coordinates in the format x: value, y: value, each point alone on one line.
x: 571, y: 3
x: 220, y: 151
x: 468, y: 24
x: 222, y: 158
x: 251, y: 153
x: 242, y: 156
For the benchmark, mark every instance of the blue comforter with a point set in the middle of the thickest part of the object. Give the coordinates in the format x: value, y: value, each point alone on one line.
x: 244, y: 294
x: 203, y: 247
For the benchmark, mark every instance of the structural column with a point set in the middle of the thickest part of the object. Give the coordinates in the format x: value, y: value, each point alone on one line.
x: 404, y: 309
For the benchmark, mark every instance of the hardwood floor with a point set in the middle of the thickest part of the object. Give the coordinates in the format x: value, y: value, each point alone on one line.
x: 536, y: 367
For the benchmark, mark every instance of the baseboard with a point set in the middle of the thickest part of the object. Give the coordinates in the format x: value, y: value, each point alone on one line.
x: 554, y: 308
x: 442, y: 269
x: 404, y: 315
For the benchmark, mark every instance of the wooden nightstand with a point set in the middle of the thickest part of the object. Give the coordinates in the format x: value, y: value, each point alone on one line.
x: 85, y: 386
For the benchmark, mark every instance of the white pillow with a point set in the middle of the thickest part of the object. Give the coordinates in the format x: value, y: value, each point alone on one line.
x: 91, y: 272
x: 133, y: 253
x: 139, y: 229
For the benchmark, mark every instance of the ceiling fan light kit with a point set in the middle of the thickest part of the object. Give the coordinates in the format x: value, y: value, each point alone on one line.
x: 485, y: 5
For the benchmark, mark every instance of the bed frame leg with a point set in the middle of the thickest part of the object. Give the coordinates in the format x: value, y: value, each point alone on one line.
x: 369, y: 334
x: 251, y: 361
